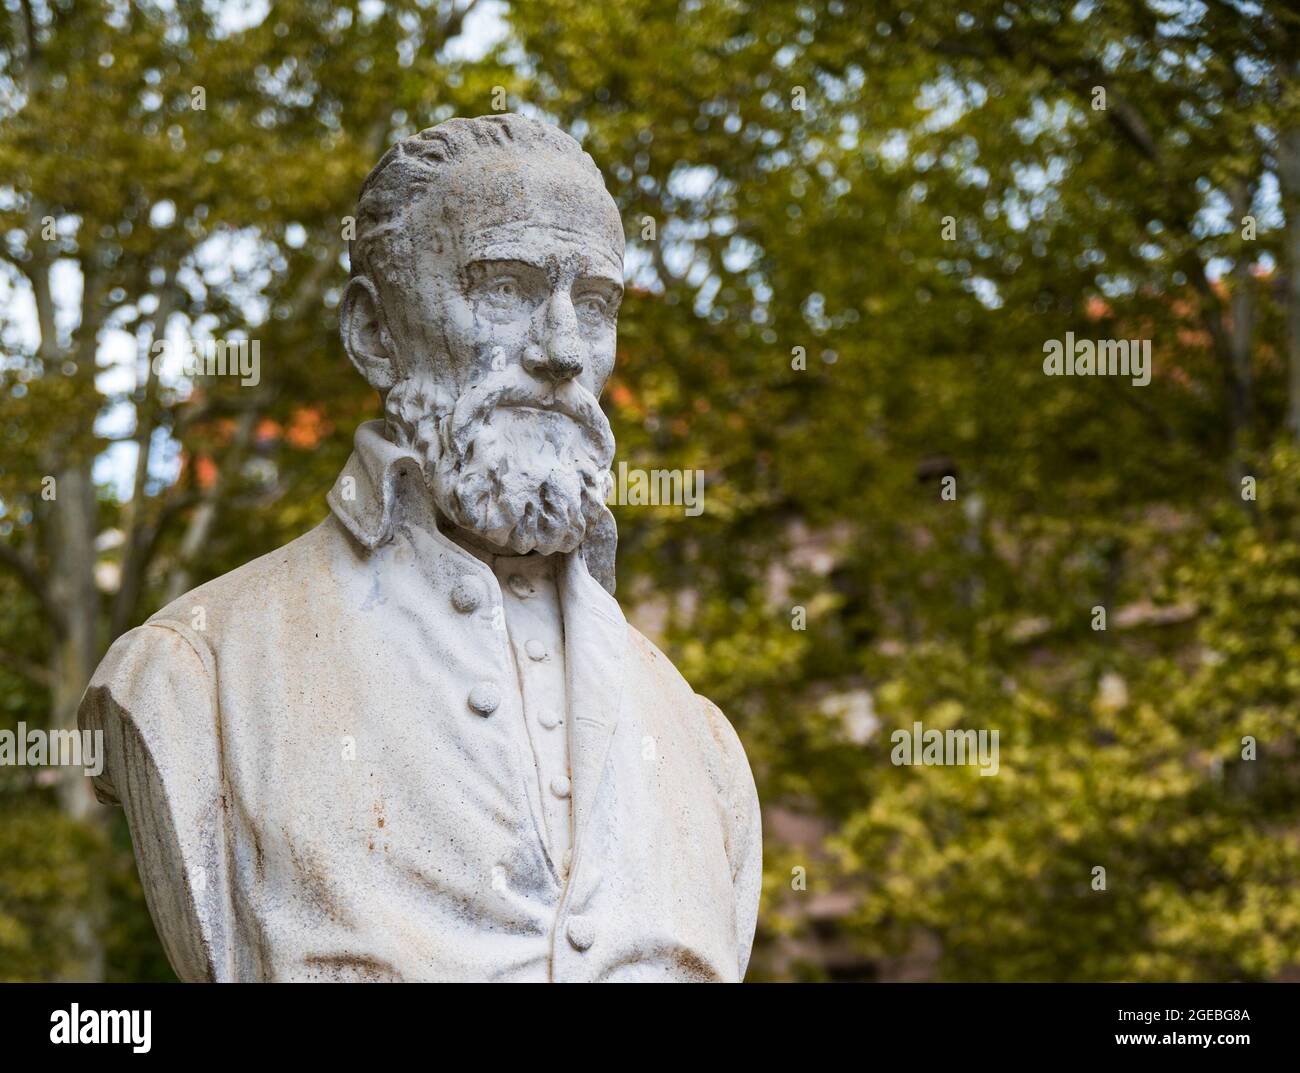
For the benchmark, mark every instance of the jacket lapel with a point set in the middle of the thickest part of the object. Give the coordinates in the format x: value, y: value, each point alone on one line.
x: 595, y: 641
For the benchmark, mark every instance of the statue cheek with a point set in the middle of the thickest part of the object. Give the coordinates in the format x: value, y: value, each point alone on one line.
x: 599, y: 368
x: 461, y: 332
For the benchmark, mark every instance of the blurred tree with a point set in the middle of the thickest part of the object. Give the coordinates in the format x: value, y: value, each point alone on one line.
x: 852, y: 228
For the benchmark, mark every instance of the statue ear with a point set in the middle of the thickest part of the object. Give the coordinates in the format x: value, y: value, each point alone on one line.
x: 366, y: 340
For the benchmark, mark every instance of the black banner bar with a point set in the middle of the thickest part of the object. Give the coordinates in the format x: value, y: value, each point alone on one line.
x: 1228, y: 1023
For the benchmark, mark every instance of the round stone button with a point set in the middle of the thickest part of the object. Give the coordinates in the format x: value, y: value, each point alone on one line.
x: 581, y: 934
x: 536, y: 650
x: 549, y: 719
x: 468, y: 594
x: 560, y: 786
x: 485, y: 698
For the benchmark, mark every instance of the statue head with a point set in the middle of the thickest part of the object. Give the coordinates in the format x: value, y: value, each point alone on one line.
x: 486, y: 278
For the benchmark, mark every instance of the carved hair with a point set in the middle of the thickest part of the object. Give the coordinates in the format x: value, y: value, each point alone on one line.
x: 382, y: 248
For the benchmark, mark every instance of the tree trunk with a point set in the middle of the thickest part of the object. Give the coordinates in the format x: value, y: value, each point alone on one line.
x: 1243, y: 314
x: 1289, y: 180
x: 75, y: 658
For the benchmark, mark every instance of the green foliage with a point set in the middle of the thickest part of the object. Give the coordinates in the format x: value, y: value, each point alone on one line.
x: 44, y: 887
x: 777, y: 227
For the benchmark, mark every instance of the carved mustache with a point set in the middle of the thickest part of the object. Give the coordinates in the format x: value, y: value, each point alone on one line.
x: 514, y: 388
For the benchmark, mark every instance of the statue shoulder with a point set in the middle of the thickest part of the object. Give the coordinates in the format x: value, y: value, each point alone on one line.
x: 151, y: 705
x: 715, y: 737
x: 263, y: 585
x: 152, y: 700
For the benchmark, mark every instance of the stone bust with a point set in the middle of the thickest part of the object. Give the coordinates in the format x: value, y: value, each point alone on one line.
x: 421, y: 742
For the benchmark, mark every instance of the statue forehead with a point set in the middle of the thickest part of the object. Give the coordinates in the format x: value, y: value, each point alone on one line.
x: 503, y: 200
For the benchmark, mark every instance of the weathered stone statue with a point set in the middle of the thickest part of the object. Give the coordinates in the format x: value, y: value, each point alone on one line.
x: 421, y: 742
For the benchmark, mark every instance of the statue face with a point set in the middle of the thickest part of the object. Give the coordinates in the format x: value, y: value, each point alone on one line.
x: 529, y: 271
x: 511, y: 319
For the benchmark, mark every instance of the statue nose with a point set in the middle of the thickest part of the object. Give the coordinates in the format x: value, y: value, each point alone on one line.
x: 551, y: 363
x: 558, y: 357
x: 563, y: 365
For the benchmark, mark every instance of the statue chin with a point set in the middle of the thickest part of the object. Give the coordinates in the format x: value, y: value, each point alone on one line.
x: 525, y: 483
x: 521, y: 542
x: 514, y: 468
x: 542, y: 519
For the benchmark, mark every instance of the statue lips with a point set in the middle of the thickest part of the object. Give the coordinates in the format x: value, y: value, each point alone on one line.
x: 553, y: 401
x: 516, y: 390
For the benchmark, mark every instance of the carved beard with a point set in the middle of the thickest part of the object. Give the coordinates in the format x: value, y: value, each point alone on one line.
x: 512, y: 461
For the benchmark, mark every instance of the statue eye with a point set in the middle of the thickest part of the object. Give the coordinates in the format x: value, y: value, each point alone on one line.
x: 506, y: 288
x: 592, y: 306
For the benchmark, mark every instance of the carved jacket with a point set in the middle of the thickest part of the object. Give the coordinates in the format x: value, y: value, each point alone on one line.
x: 325, y: 771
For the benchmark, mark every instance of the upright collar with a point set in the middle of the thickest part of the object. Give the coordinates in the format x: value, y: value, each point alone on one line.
x: 365, y: 499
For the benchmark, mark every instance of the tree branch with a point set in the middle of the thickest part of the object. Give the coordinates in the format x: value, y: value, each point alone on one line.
x: 139, y: 540
x: 205, y: 515
x: 35, y: 584
x: 33, y: 672
x: 454, y: 22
